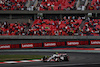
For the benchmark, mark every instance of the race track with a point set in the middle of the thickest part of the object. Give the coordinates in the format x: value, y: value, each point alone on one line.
x: 75, y: 60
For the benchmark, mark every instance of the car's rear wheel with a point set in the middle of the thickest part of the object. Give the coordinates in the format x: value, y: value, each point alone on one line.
x: 66, y: 58
x: 44, y: 59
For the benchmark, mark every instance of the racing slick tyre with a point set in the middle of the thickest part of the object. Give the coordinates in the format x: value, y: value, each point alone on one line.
x: 58, y: 60
x: 66, y: 58
x: 44, y: 59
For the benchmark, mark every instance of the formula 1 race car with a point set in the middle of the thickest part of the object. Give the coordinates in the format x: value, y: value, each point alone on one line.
x: 56, y: 58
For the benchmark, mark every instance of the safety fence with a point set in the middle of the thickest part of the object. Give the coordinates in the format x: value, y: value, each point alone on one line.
x: 49, y: 44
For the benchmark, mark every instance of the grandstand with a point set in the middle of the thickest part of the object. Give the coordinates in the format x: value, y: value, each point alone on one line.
x: 94, y: 5
x: 57, y: 5
x: 58, y: 27
x: 13, y: 4
x: 39, y: 5
x: 59, y: 17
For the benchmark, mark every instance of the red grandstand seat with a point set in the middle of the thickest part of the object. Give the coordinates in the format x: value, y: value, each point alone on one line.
x: 63, y: 33
x: 62, y: 25
x: 98, y: 26
x: 46, y: 20
x: 55, y: 7
x: 84, y: 35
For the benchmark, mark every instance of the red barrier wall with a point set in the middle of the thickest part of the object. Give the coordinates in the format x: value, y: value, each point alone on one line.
x: 37, y: 44
x: 84, y: 43
x: 60, y: 43
x: 6, y: 46
x: 81, y: 42
x: 15, y: 46
x: 27, y: 45
x: 50, y: 44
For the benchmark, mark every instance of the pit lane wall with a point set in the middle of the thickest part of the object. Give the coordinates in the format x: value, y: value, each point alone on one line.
x: 73, y: 43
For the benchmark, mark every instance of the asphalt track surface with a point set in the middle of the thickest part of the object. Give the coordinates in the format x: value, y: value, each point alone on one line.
x: 75, y: 60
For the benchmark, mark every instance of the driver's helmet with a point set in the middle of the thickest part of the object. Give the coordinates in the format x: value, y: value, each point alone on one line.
x: 56, y: 52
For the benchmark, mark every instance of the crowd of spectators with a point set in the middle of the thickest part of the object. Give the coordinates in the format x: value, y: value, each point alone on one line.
x: 13, y: 28
x: 13, y: 5
x: 66, y: 27
x: 70, y: 26
x: 57, y: 5
x: 95, y: 5
x: 91, y: 27
x: 58, y: 27
x: 45, y: 5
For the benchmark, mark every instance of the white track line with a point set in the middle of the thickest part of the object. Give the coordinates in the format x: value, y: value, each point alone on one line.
x: 22, y: 61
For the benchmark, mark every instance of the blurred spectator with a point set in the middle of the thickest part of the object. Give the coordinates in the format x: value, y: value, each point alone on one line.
x: 57, y: 5
x: 95, y: 5
x: 13, y: 5
x: 64, y: 27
